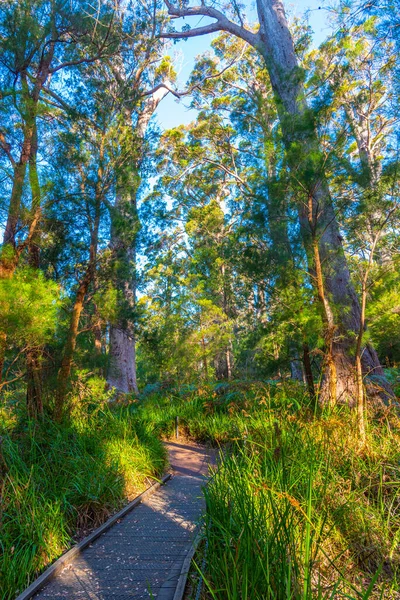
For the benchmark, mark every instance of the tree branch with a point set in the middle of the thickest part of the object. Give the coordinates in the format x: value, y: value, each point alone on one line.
x: 5, y: 146
x: 59, y: 100
x: 198, y: 86
x: 164, y: 85
x: 222, y: 24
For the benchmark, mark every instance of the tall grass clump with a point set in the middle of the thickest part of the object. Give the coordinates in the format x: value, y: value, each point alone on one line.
x: 59, y: 480
x: 299, y: 508
x: 299, y: 511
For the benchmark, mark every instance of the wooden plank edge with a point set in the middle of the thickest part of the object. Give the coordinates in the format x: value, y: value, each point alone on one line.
x: 66, y: 558
x: 182, y: 580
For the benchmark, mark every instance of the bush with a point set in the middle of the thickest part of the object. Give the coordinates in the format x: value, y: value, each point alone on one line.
x: 60, y: 480
x: 298, y: 508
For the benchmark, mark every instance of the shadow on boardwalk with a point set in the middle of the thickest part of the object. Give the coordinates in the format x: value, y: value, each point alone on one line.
x: 142, y: 555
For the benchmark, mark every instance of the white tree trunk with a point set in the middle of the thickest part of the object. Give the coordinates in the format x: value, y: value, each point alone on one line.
x: 124, y: 229
x: 122, y: 370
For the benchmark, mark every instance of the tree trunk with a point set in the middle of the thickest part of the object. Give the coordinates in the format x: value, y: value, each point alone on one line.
x: 34, y: 400
x: 125, y: 225
x: 8, y: 255
x: 204, y: 359
x: 97, y: 332
x: 296, y: 367
x: 223, y: 364
x: 64, y: 372
x: 308, y: 370
x: 223, y: 358
x: 122, y: 370
x: 228, y: 358
x: 320, y: 230
x: 124, y: 229
x: 34, y: 356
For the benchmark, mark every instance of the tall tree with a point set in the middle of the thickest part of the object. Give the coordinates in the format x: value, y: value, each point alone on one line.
x: 124, y: 231
x: 322, y: 239
x: 34, y: 49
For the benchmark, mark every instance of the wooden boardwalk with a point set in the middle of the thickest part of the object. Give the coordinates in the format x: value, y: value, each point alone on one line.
x: 142, y: 555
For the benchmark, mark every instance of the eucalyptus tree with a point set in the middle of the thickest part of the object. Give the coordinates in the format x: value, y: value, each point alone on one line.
x: 121, y: 93
x: 139, y: 96
x: 357, y: 75
x: 338, y: 300
x: 73, y: 79
x: 235, y: 141
x: 39, y: 41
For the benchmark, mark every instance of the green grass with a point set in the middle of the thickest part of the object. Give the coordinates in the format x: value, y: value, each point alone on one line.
x: 298, y: 509
x: 59, y: 480
x: 279, y: 528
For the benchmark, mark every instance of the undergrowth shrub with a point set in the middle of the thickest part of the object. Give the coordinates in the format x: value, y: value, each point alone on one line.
x: 60, y: 480
x: 298, y: 508
x: 292, y: 514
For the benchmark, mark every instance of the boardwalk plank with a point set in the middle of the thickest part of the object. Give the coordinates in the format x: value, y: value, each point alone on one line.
x: 142, y: 555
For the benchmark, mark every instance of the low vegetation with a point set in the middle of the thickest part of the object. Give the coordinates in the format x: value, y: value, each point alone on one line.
x: 298, y: 509
x: 60, y: 480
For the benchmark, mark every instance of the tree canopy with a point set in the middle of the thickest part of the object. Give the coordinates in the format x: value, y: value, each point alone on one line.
x: 260, y: 241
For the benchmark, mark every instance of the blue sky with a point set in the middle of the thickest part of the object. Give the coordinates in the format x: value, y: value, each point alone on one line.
x: 171, y: 112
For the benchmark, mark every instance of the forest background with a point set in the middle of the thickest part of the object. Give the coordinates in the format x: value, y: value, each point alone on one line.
x: 253, y: 243
x: 210, y: 272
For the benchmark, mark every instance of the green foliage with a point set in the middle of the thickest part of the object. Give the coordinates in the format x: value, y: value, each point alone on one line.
x: 297, y: 509
x: 29, y: 307
x: 58, y: 481
x: 384, y: 317
x: 106, y: 302
x: 287, y: 517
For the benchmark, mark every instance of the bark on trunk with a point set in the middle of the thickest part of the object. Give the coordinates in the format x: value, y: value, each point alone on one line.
x: 223, y: 365
x: 320, y: 230
x: 308, y: 370
x: 34, y: 400
x: 204, y: 359
x: 122, y: 373
x: 124, y: 229
x: 296, y: 368
x: 125, y: 225
x: 224, y: 358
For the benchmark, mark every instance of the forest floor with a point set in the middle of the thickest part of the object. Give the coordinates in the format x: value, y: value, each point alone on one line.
x: 298, y: 510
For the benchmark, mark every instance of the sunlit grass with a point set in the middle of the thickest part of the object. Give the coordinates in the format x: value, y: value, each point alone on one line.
x: 299, y: 509
x: 60, y: 480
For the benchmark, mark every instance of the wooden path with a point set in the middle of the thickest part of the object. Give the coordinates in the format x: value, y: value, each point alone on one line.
x: 142, y: 555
